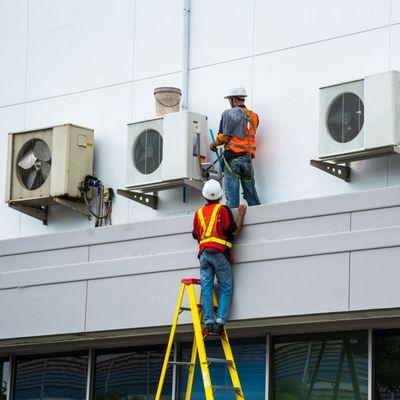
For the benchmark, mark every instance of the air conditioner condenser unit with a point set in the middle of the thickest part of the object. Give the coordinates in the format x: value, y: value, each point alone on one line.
x: 359, y: 119
x: 48, y: 163
x: 164, y: 152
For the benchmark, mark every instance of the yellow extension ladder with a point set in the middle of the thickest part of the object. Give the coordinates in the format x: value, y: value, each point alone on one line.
x: 199, y: 347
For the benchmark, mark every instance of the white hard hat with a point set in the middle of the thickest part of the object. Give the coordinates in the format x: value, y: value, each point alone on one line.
x: 212, y: 190
x: 236, y: 92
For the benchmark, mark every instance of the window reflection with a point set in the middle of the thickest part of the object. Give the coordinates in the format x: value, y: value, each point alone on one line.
x: 332, y: 366
x: 250, y: 361
x: 130, y: 375
x: 4, y: 373
x: 56, y: 377
x: 387, y: 365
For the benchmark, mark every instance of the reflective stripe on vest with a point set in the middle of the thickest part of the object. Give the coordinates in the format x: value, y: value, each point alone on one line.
x: 207, y: 230
x: 248, y: 143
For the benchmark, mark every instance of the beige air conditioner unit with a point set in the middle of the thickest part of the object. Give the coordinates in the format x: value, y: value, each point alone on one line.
x: 46, y: 166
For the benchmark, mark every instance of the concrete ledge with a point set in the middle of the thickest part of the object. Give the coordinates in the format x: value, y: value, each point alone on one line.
x: 263, y: 214
x: 187, y: 260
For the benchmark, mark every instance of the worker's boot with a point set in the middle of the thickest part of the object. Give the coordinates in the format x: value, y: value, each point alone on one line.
x: 209, y: 328
x: 218, y: 328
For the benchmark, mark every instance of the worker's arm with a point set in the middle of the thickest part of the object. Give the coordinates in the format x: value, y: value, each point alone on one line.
x: 219, y: 141
x: 239, y: 222
x: 195, y: 228
x: 221, y: 138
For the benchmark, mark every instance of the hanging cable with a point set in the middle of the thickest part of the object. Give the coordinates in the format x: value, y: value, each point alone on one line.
x: 104, y: 196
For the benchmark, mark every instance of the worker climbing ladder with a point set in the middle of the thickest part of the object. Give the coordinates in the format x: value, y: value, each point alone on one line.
x: 199, y: 349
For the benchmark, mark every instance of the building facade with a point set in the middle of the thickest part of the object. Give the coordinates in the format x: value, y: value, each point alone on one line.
x: 86, y: 311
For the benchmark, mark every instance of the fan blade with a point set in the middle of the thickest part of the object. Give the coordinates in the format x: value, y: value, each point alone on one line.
x: 28, y: 160
x: 142, y: 138
x: 31, y: 179
x: 42, y: 151
x: 45, y: 169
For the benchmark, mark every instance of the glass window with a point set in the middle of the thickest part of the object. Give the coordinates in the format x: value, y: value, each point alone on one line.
x: 131, y: 375
x: 4, y: 373
x: 387, y: 365
x: 53, y: 377
x: 250, y: 361
x: 319, y: 367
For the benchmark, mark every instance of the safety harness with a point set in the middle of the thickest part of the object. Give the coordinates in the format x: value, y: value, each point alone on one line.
x: 209, y: 231
x: 248, y: 145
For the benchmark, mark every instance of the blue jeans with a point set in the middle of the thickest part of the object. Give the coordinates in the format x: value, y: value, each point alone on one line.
x: 212, y: 264
x: 241, y: 167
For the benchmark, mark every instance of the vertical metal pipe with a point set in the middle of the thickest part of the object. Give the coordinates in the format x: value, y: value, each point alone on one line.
x: 370, y: 363
x: 267, y: 366
x: 185, y: 54
x: 174, y: 394
x: 11, y: 378
x: 90, y: 374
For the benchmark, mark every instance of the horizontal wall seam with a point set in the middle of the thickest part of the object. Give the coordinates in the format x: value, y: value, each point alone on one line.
x: 310, y: 210
x: 66, y: 94
x: 186, y: 260
x: 250, y: 56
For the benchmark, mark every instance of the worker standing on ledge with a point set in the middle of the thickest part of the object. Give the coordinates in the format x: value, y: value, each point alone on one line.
x: 215, y: 229
x: 237, y: 132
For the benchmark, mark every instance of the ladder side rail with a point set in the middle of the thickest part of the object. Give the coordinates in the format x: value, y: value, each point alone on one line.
x: 229, y: 356
x: 193, y: 358
x: 192, y: 370
x: 170, y: 342
x: 200, y: 344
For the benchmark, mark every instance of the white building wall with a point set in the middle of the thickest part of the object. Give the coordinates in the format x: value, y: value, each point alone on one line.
x: 96, y: 63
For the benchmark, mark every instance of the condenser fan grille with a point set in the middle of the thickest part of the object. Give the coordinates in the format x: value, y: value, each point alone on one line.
x: 148, y: 151
x: 34, y: 163
x: 345, y: 117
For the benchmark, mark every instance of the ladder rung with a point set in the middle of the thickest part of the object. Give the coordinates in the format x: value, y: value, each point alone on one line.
x: 199, y: 306
x: 226, y: 388
x: 180, y: 363
x: 219, y: 360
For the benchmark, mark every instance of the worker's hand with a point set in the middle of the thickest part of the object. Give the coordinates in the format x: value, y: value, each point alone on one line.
x: 242, y: 209
x: 213, y: 146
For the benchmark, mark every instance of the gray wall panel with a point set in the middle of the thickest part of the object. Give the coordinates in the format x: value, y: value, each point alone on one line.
x: 139, y: 247
x: 265, y: 289
x: 295, y: 228
x: 43, y: 310
x: 44, y: 259
x: 378, y: 218
x: 134, y: 301
x: 374, y: 279
x: 305, y: 285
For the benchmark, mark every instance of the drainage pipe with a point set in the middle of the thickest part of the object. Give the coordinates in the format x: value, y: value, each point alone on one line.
x: 185, y: 54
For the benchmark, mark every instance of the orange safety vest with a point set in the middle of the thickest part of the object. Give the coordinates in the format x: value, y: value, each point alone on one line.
x: 248, y: 143
x: 208, y: 217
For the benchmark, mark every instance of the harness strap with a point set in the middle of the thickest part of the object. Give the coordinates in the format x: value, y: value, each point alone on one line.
x: 212, y: 220
x: 201, y: 218
x: 217, y: 240
x: 235, y: 175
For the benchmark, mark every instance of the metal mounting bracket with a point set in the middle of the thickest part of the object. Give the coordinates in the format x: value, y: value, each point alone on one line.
x: 75, y: 205
x: 340, y: 171
x: 40, y: 213
x: 149, y: 200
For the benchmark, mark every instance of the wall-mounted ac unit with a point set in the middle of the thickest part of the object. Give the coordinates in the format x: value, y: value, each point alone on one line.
x: 164, y: 150
x: 47, y: 163
x: 359, y: 118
